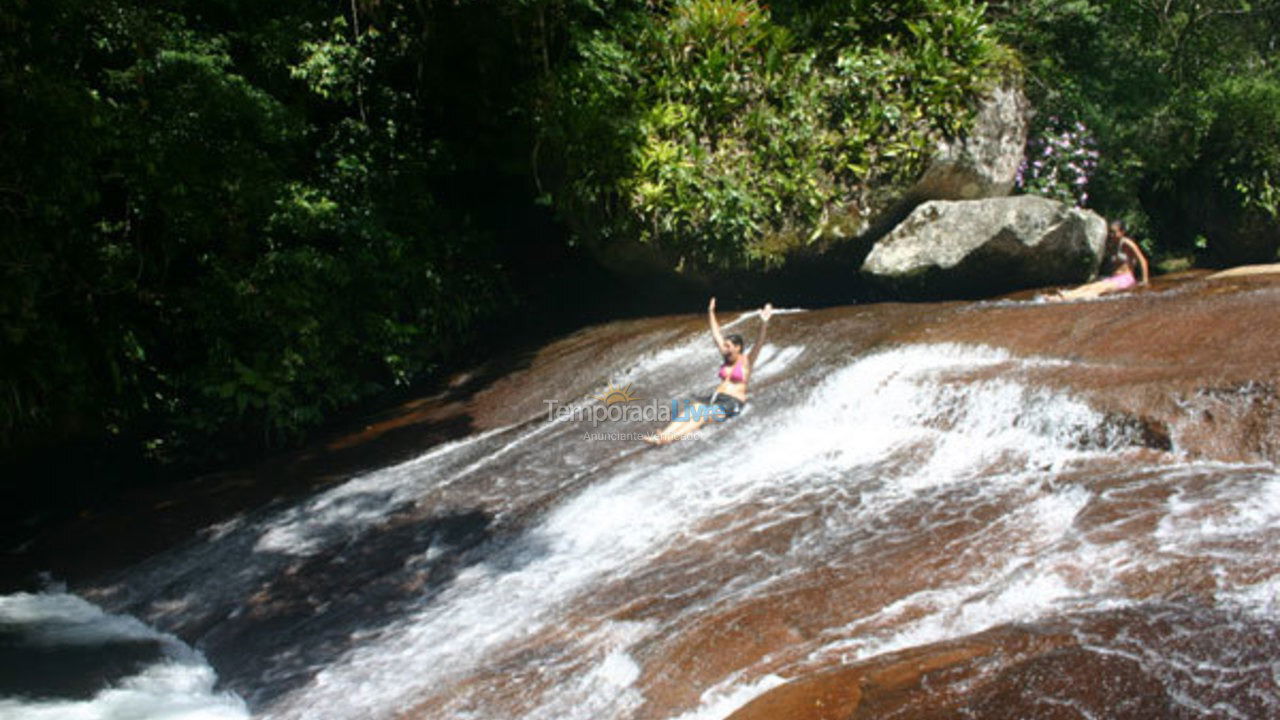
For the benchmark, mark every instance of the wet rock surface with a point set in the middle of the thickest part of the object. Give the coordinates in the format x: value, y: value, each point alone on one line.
x: 35, y: 668
x: 987, y: 247
x: 1191, y: 357
x: 985, y: 162
x: 1185, y: 370
x: 1090, y: 665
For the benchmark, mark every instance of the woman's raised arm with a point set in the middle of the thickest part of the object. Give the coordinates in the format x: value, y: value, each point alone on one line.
x: 765, y: 313
x: 1136, y: 250
x: 715, y: 326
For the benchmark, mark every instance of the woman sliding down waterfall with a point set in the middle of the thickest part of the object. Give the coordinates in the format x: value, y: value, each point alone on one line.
x: 1124, y: 256
x: 731, y: 393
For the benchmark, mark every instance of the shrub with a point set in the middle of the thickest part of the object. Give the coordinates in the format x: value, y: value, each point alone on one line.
x: 726, y: 140
x: 1059, y: 160
x: 1175, y: 95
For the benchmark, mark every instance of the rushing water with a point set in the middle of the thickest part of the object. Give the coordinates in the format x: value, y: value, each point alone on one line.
x: 870, y: 500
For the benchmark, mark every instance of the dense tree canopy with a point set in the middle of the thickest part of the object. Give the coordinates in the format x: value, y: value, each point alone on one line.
x: 1178, y: 98
x: 728, y: 134
x: 222, y: 220
x: 223, y: 217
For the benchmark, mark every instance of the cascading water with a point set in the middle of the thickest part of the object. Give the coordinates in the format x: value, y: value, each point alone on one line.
x: 864, y: 504
x: 50, y: 642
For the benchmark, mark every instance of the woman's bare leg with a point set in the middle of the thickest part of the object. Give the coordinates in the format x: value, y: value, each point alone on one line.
x: 675, y: 430
x: 1091, y: 290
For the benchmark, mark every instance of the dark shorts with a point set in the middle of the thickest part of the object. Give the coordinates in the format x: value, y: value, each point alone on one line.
x: 728, y: 403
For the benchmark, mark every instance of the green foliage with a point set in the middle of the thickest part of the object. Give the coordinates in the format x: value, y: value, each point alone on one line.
x: 334, y: 67
x: 727, y: 139
x: 1058, y: 164
x: 223, y: 220
x: 1176, y: 95
x: 214, y: 230
x: 1241, y: 146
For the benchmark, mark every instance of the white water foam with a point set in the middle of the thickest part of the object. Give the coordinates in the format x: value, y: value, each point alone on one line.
x: 608, y: 687
x: 1241, y: 508
x: 179, y: 686
x: 345, y: 509
x: 303, y: 529
x: 879, y: 404
x: 723, y: 699
x: 1235, y: 518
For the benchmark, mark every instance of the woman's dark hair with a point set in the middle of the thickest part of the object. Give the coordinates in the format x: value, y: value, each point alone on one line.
x: 736, y: 339
x: 1114, y: 248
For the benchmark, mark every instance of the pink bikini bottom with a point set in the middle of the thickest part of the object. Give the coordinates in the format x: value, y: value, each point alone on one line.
x: 1121, y: 281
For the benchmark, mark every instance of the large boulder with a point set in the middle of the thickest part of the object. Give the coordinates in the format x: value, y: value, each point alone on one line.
x: 981, y: 164
x: 977, y: 248
x: 984, y: 163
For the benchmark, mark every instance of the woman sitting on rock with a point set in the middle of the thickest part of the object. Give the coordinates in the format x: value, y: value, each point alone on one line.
x: 731, y: 394
x: 1124, y: 254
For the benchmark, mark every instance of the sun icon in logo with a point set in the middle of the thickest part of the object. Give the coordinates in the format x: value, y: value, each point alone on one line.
x: 616, y: 395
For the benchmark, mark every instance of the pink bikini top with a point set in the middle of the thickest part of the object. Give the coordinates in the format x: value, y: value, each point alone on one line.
x: 738, y: 374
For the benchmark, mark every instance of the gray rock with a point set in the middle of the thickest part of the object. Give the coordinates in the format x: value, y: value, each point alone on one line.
x: 984, y: 163
x: 977, y: 248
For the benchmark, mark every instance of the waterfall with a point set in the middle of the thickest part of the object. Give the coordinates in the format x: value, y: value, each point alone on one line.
x: 863, y: 504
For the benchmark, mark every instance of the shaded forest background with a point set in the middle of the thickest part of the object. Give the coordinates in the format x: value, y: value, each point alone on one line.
x: 222, y: 222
